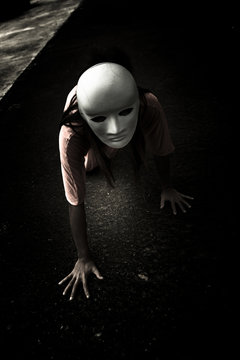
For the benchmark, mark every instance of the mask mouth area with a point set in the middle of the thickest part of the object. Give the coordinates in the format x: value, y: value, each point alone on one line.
x: 117, y: 138
x: 121, y: 134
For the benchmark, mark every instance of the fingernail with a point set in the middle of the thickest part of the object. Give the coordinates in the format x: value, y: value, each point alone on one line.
x: 87, y: 296
x: 63, y: 293
x: 71, y: 298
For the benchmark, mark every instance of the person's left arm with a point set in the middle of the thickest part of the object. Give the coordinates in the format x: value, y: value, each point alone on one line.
x: 168, y: 192
x: 160, y: 145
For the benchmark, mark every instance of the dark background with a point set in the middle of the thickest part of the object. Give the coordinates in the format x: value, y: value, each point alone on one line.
x: 169, y: 281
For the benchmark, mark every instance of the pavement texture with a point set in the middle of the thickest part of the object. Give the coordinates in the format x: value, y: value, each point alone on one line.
x: 25, y: 34
x: 169, y: 282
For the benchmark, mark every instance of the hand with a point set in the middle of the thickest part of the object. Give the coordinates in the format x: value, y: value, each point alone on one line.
x: 79, y: 274
x: 175, y: 197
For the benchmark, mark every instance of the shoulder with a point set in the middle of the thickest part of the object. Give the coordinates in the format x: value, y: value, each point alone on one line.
x: 66, y: 133
x: 150, y: 108
x: 72, y: 142
x: 150, y: 100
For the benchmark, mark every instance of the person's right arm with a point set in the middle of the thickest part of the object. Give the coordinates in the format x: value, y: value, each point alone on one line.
x: 72, y: 152
x: 84, y: 264
x: 77, y: 217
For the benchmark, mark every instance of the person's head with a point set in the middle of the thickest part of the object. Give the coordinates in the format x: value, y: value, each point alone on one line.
x: 108, y: 100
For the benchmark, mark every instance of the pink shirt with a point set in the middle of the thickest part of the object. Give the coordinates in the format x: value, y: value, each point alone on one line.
x: 76, y: 157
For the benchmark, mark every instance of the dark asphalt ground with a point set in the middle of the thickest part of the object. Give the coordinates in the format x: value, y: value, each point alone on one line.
x: 169, y: 281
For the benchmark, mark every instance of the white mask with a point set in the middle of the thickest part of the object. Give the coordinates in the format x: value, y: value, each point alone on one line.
x: 108, y: 100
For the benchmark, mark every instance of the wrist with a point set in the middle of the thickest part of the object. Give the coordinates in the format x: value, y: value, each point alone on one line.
x: 166, y: 186
x: 84, y: 254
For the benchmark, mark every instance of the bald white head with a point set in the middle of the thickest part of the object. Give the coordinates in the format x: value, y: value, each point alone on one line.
x: 108, y: 100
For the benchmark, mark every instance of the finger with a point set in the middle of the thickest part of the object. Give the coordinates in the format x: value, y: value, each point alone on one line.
x: 173, y: 208
x: 66, y: 278
x: 74, y: 289
x: 84, y: 281
x: 186, y: 203
x: 181, y: 207
x: 68, y: 286
x: 186, y: 196
x: 97, y: 273
x: 162, y: 203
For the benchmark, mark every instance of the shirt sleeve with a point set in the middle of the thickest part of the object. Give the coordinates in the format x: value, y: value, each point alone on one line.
x: 155, y: 128
x: 72, y: 165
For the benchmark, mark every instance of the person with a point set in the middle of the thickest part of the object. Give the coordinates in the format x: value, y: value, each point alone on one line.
x: 105, y: 112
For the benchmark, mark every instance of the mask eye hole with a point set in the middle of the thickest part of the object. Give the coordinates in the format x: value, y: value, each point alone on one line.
x: 126, y: 112
x: 98, y: 119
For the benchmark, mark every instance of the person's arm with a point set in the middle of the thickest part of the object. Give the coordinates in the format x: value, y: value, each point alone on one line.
x: 77, y: 217
x: 163, y: 167
x: 158, y: 140
x: 84, y: 264
x: 168, y: 193
x: 73, y: 173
